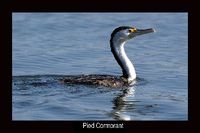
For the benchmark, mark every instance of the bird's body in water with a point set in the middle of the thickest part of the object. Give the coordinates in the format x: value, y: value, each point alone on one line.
x: 94, y: 79
x: 117, y: 41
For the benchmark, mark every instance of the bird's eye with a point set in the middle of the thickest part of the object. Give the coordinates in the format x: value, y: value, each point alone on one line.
x: 130, y: 30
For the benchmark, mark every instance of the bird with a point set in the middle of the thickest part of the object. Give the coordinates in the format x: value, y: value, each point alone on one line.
x: 118, y: 38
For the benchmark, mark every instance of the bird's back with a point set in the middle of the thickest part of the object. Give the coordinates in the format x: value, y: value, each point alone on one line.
x: 103, y: 80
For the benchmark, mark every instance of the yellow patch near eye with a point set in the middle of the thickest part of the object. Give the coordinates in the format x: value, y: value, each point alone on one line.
x: 133, y: 30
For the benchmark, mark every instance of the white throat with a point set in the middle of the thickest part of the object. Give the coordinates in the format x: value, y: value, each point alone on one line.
x: 118, y: 47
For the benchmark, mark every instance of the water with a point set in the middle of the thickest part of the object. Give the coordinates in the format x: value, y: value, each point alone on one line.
x: 47, y: 46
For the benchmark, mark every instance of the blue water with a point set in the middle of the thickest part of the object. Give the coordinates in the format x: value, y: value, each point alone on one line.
x: 47, y: 46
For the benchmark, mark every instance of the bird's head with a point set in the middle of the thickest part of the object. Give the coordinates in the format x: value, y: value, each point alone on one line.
x: 124, y: 33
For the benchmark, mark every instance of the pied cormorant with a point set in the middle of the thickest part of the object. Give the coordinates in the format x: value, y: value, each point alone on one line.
x: 118, y: 38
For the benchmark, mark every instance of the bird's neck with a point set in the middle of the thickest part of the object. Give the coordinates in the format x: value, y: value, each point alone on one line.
x: 117, y: 48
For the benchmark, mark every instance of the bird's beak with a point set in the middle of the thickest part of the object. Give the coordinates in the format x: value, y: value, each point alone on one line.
x: 144, y: 31
x: 137, y: 32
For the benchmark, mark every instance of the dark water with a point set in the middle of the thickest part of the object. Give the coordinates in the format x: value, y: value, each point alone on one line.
x: 47, y: 46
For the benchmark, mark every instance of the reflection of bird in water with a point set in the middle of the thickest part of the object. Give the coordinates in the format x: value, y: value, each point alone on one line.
x: 120, y: 104
x: 118, y: 38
